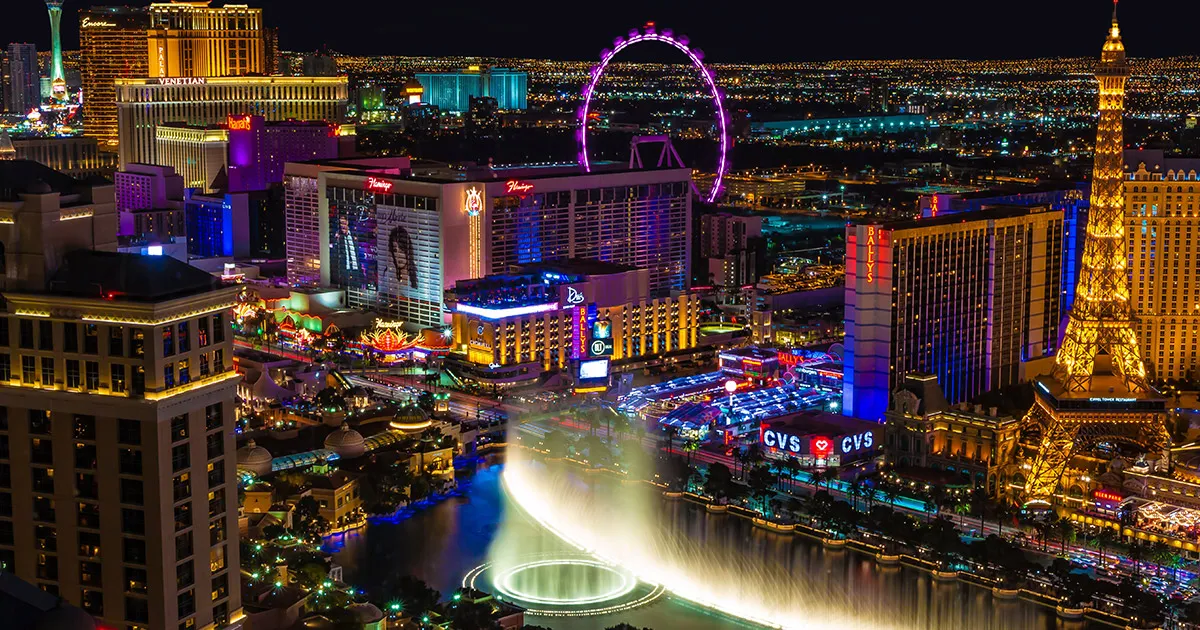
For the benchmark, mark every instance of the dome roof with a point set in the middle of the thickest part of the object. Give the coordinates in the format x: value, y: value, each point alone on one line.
x: 253, y: 455
x: 365, y: 612
x: 410, y: 418
x: 345, y: 442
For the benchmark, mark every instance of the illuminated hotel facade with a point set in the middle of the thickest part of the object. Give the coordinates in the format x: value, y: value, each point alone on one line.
x: 246, y: 152
x: 397, y: 242
x: 511, y: 327
x: 192, y: 39
x: 113, y: 46
x: 143, y: 104
x: 1162, y: 221
x: 117, y: 472
x: 968, y: 298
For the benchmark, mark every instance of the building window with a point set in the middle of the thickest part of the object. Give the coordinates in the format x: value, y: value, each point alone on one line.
x: 129, y: 432
x: 129, y: 461
x: 85, y: 456
x: 71, y: 337
x: 184, y: 375
x: 216, y: 503
x: 117, y: 378
x: 136, y: 609
x: 218, y: 361
x: 47, y: 372
x: 169, y: 375
x: 184, y: 342
x: 185, y: 575
x: 29, y: 370
x: 220, y: 588
x: 133, y: 522
x: 91, y: 375
x: 5, y: 367
x: 179, y: 428
x: 203, y: 364
x: 183, y: 546
x: 181, y: 459
x: 202, y: 332
x: 4, y: 341
x: 168, y: 339
x: 137, y: 343
x: 135, y: 580
x: 73, y: 373
x: 132, y: 492
x: 39, y: 422
x: 218, y: 327
x: 85, y: 427
x: 116, y: 341
x: 213, y: 419
x: 85, y: 487
x: 187, y: 603
x: 216, y: 445
x: 26, y: 340
x: 91, y: 339
x: 137, y: 385
x: 45, y: 335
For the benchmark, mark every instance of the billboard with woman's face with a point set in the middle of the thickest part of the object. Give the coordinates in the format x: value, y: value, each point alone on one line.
x: 407, y: 251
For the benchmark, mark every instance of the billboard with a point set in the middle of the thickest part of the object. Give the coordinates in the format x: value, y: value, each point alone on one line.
x: 408, y: 244
x: 593, y: 369
x: 352, y: 243
x: 601, y: 344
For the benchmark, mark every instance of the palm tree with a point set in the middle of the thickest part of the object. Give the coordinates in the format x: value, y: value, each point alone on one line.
x: 690, y: 446
x: 1065, y: 530
x: 856, y: 486
x: 671, y: 433
x: 962, y: 509
x: 829, y: 475
x: 1003, y: 512
x: 793, y: 468
x: 1137, y: 553
x: 1105, y: 540
x: 890, y: 495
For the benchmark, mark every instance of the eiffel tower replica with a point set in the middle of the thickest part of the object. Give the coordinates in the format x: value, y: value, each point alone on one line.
x: 1097, y: 396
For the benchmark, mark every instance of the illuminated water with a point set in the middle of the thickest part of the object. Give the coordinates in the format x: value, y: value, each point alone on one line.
x: 723, y: 558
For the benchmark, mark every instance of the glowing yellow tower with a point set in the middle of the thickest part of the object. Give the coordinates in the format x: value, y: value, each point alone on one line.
x: 1098, y: 394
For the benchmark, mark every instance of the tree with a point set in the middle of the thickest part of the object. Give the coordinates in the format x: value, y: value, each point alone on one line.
x: 792, y: 466
x: 890, y: 494
x: 1106, y: 539
x: 690, y: 445
x: 556, y: 443
x: 760, y: 480
x: 1065, y: 531
x: 717, y: 481
x: 829, y: 475
x: 1137, y: 553
x: 415, y: 596
x: 671, y: 432
x: 962, y: 509
x: 856, y: 486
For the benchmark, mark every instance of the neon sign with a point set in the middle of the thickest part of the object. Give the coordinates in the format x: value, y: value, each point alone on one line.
x: 474, y: 203
x: 871, y: 253
x: 1107, y: 495
x: 821, y: 447
x: 518, y: 187
x: 776, y: 439
x: 852, y: 443
x: 933, y: 206
x: 238, y: 123
x: 376, y: 184
x: 574, y: 296
x: 88, y: 22
x: 177, y: 80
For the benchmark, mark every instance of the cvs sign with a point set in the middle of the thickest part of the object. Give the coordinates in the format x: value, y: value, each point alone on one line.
x: 778, y: 439
x: 857, y: 442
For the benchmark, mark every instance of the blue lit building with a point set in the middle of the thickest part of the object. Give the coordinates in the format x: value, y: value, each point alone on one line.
x: 1072, y: 202
x: 219, y: 224
x: 968, y: 298
x: 452, y: 91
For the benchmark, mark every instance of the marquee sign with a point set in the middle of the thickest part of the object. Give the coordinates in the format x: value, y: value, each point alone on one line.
x: 179, y: 80
x: 871, y: 253
x: 821, y: 447
x: 238, y: 123
x: 516, y: 187
x: 375, y: 184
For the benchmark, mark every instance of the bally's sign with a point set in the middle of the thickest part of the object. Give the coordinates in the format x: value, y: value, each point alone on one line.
x: 820, y: 446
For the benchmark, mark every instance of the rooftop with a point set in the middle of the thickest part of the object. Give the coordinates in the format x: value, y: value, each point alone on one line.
x: 110, y: 275
x: 19, y: 177
x: 993, y: 213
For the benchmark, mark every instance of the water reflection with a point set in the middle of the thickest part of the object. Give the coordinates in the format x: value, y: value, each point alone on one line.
x: 443, y: 542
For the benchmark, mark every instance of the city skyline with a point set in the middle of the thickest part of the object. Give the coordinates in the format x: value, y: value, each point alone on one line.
x: 939, y: 30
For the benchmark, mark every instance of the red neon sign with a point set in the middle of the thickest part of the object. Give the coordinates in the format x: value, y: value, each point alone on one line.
x: 821, y: 447
x: 519, y: 187
x: 379, y: 185
x: 1106, y: 495
x: 238, y: 123
x: 871, y: 253
x: 933, y: 206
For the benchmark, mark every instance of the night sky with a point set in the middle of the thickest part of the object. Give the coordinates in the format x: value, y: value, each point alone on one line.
x: 734, y: 30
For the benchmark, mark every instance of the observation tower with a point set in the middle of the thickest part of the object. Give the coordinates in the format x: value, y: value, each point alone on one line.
x: 58, y: 80
x: 1097, y: 400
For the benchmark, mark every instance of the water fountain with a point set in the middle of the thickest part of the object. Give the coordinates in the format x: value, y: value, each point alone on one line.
x: 609, y: 533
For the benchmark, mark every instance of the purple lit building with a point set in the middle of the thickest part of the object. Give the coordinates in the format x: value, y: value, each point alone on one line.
x: 247, y: 153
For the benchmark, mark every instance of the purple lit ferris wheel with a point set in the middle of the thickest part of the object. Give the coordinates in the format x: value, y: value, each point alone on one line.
x: 650, y: 34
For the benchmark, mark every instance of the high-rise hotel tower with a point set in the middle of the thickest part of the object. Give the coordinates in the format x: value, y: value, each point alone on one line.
x: 192, y: 39
x: 1098, y: 393
x: 113, y: 45
x: 118, y: 487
